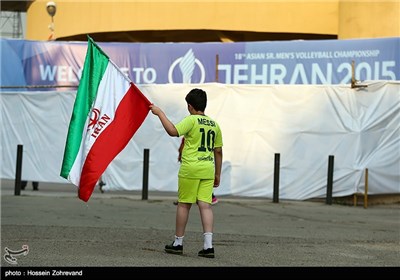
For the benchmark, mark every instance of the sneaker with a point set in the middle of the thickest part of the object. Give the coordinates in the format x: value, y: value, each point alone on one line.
x: 171, y: 249
x: 207, y: 253
x: 214, y: 200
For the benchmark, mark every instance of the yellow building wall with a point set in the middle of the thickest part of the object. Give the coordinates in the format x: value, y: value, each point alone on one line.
x: 369, y: 19
x: 346, y: 19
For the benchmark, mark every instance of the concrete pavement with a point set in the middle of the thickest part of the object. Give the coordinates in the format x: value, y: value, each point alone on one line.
x: 122, y: 230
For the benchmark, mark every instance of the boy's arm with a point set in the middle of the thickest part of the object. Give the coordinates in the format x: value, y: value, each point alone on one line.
x: 167, y: 124
x: 218, y: 165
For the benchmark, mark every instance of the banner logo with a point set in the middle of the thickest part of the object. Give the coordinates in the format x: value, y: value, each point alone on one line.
x: 187, y: 65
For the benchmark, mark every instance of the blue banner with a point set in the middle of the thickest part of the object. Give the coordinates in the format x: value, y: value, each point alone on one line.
x: 54, y: 63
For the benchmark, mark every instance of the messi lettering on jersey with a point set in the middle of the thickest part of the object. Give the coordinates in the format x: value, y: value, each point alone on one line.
x: 206, y: 122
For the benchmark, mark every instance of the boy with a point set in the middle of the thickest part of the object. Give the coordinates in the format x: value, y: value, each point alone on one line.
x: 200, y: 170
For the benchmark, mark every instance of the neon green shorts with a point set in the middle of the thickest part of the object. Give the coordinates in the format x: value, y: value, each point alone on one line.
x: 192, y: 190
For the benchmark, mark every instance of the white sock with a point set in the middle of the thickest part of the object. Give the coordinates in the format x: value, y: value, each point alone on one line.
x: 207, y: 240
x: 178, y: 240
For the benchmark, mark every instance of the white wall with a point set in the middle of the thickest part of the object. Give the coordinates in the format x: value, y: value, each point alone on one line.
x: 303, y: 123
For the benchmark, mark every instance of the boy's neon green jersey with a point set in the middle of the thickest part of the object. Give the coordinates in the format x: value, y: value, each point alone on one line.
x: 202, y: 134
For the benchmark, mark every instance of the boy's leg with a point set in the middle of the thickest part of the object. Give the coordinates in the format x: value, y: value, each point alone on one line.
x: 207, y: 220
x: 187, y: 193
x: 182, y: 216
x: 207, y: 216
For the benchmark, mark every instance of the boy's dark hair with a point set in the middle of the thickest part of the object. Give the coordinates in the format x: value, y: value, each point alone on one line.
x: 197, y: 98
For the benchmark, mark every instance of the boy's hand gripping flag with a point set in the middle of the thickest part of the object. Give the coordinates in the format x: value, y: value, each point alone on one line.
x: 108, y: 110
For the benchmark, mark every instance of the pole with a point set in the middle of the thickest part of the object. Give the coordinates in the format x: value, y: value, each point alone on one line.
x: 276, y: 178
x: 366, y: 189
x: 18, y: 170
x: 216, y: 67
x: 145, y: 190
x: 330, y: 181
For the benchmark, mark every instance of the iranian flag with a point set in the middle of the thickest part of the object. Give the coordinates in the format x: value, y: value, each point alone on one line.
x: 108, y: 110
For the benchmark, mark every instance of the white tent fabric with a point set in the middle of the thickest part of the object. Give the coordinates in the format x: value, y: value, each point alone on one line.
x: 303, y: 123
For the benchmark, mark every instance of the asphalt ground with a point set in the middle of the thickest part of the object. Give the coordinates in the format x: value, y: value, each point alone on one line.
x: 120, y: 230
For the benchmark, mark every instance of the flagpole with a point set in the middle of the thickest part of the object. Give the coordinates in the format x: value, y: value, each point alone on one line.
x: 109, y: 59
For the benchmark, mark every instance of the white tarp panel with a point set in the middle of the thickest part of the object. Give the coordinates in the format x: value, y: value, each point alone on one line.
x: 303, y: 123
